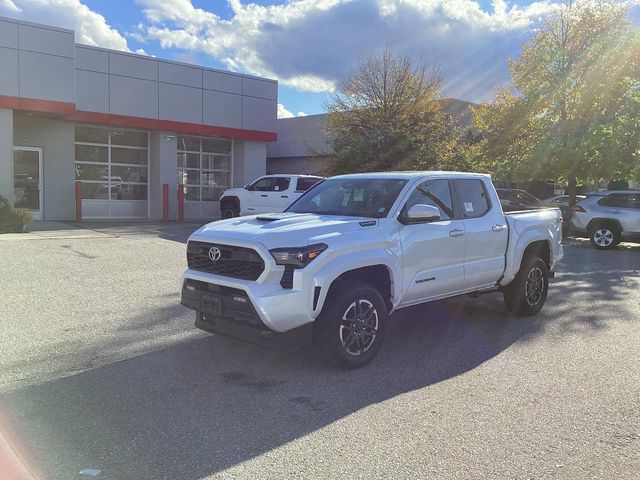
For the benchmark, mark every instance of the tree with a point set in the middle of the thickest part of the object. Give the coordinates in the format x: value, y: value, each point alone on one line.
x: 574, y: 111
x: 388, y: 115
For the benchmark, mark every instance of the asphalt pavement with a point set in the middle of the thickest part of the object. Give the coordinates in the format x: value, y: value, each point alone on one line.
x: 102, y: 368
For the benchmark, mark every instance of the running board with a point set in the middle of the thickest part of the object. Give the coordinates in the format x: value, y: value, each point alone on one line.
x: 483, y: 292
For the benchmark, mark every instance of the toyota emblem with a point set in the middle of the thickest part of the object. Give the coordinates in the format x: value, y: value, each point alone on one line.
x: 214, y: 254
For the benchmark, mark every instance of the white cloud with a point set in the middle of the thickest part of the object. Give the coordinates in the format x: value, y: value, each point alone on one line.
x: 91, y: 28
x: 8, y: 6
x: 312, y: 44
x: 283, y: 112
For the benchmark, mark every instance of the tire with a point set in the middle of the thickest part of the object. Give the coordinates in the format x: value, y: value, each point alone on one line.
x: 604, y: 237
x: 229, y: 212
x: 527, y: 293
x: 351, y: 338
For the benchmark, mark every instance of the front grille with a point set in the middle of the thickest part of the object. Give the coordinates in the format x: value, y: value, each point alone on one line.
x: 236, y: 262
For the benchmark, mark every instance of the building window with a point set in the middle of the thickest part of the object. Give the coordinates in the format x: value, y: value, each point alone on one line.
x: 204, y: 167
x: 112, y: 164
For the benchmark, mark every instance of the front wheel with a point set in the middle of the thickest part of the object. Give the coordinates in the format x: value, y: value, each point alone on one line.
x: 229, y: 212
x: 353, y: 324
x: 527, y: 293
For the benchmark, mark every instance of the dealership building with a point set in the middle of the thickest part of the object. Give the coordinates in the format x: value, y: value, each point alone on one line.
x: 123, y: 125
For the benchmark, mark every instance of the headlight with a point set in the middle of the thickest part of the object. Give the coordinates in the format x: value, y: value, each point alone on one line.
x: 297, y: 257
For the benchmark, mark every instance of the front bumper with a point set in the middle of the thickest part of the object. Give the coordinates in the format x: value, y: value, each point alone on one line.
x: 230, y: 311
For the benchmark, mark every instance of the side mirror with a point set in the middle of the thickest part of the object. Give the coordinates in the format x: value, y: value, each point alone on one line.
x: 421, y: 213
x: 247, y: 187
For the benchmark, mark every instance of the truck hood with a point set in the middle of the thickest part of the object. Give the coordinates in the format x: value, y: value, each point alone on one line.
x: 276, y: 230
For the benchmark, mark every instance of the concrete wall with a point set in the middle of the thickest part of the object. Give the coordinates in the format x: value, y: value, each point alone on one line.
x: 6, y: 155
x: 300, y: 137
x: 162, y: 169
x: 249, y: 161
x: 56, y: 138
x: 40, y: 62
x: 121, y: 83
x: 37, y: 61
x: 299, y: 165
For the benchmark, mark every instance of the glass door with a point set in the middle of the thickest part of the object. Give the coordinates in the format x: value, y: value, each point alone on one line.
x: 27, y: 179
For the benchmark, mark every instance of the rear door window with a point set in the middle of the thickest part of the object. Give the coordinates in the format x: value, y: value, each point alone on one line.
x: 617, y: 200
x: 281, y: 184
x: 472, y: 197
x: 305, y: 183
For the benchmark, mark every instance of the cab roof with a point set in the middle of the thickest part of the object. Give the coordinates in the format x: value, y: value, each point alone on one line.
x: 413, y: 174
x: 610, y: 192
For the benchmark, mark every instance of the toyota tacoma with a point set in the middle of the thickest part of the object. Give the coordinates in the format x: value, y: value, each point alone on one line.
x: 353, y: 249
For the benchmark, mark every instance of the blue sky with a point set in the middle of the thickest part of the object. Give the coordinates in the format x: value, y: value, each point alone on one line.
x: 307, y: 45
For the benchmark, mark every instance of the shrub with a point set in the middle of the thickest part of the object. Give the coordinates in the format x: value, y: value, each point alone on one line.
x: 10, y: 219
x: 26, y: 215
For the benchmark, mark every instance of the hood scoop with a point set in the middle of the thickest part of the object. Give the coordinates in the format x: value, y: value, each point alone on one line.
x: 272, y: 217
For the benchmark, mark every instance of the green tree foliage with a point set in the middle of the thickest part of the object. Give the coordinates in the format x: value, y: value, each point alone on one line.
x: 388, y: 115
x: 574, y: 110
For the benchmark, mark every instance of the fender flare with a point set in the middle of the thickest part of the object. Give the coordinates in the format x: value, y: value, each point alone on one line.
x: 604, y: 221
x: 522, y: 243
x: 231, y: 198
x: 328, y: 274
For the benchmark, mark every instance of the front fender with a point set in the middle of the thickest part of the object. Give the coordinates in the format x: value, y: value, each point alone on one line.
x: 339, y: 265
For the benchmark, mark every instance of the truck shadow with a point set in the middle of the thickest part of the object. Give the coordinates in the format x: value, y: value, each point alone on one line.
x: 205, y: 405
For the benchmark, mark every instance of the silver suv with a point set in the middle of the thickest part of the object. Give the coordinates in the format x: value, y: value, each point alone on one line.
x: 608, y: 217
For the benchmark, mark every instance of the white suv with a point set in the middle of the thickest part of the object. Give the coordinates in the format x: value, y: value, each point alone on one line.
x: 608, y: 217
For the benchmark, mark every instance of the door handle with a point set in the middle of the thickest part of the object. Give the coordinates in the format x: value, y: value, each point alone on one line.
x: 284, y: 196
x: 456, y: 233
x: 264, y: 196
x: 616, y: 212
x: 499, y: 228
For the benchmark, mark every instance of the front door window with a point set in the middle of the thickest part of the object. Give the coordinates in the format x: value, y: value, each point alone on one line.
x: 26, y: 179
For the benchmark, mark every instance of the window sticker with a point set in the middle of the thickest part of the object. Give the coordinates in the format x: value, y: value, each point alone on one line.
x: 381, y: 210
x: 358, y: 195
x: 468, y: 207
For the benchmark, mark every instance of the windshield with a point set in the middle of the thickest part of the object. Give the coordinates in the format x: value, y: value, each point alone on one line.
x: 368, y: 197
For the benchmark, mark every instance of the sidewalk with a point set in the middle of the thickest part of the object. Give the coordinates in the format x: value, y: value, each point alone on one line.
x: 41, y: 230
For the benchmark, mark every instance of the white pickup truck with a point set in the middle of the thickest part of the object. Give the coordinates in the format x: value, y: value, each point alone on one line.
x: 355, y: 248
x: 271, y: 193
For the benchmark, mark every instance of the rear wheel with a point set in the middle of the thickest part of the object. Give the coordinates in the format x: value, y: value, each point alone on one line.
x: 604, y: 237
x: 527, y: 293
x: 353, y: 324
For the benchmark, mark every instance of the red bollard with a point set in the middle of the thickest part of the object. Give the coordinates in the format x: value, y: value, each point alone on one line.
x: 78, y: 201
x: 165, y: 202
x: 181, y: 203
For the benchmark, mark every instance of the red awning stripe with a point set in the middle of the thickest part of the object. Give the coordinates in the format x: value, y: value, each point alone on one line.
x: 69, y: 112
